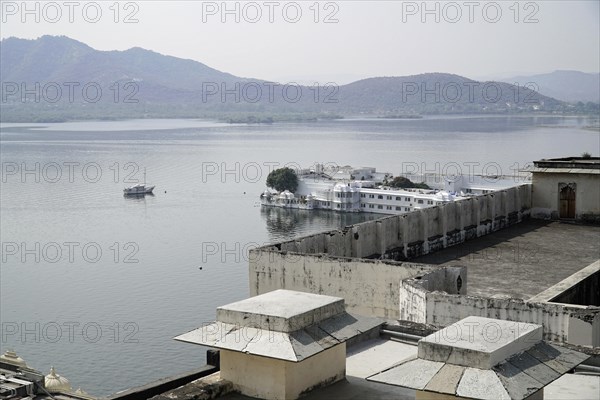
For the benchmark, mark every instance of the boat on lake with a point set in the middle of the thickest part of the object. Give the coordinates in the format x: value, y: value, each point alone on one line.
x: 140, y: 189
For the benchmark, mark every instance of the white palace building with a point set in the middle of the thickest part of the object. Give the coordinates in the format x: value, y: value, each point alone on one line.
x: 348, y: 189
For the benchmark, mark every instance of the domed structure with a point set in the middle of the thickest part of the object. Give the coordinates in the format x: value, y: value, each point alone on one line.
x: 83, y: 394
x: 10, y: 357
x: 55, y: 383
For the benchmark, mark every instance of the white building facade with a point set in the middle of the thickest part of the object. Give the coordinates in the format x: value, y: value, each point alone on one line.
x: 364, y: 190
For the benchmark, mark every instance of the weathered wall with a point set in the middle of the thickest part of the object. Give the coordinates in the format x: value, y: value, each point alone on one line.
x: 269, y: 378
x: 334, y: 263
x: 545, y: 195
x: 585, y: 292
x: 369, y: 287
x: 405, y: 236
x: 561, y: 322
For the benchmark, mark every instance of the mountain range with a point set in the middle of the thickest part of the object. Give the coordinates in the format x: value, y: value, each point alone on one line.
x: 55, y: 78
x: 570, y: 86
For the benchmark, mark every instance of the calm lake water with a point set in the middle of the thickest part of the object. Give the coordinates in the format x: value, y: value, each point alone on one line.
x: 98, y: 285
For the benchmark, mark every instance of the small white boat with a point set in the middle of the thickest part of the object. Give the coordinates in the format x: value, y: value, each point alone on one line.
x: 139, y: 189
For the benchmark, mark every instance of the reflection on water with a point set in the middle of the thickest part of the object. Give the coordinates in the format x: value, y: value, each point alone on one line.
x: 141, y: 197
x: 285, y: 224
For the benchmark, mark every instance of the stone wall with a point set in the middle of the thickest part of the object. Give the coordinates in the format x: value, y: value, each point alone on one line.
x: 365, y: 263
x: 405, y: 236
x: 369, y: 287
x: 545, y: 196
x: 563, y: 323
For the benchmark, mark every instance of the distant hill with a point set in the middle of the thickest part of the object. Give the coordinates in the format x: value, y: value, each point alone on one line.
x: 571, y: 86
x: 436, y: 93
x: 141, y: 83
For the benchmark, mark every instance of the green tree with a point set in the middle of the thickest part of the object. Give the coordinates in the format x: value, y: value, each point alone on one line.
x: 283, y: 179
x: 402, y: 182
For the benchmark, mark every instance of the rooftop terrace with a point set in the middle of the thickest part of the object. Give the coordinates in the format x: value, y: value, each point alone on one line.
x: 368, y: 358
x: 522, y: 260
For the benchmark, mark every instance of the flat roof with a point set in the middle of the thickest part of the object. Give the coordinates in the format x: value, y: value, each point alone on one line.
x: 479, y: 342
x: 569, y: 162
x: 376, y: 355
x: 522, y: 260
x: 363, y: 360
x: 551, y: 170
x: 286, y: 310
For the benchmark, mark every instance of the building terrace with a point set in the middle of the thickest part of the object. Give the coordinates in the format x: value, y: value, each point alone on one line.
x: 522, y: 260
x: 412, y: 270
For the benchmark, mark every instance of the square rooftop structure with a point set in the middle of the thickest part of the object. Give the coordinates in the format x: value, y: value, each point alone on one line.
x: 283, y: 343
x: 281, y: 310
x: 479, y: 342
x: 483, y: 358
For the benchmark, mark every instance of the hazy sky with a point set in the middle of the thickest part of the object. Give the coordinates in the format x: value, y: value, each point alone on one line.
x: 336, y: 41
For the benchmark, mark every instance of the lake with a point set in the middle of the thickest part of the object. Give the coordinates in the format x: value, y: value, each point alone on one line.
x: 97, y: 284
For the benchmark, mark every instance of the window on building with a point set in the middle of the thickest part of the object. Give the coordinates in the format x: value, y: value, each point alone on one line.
x: 429, y: 201
x: 389, y: 207
x: 371, y: 206
x: 389, y: 197
x: 407, y: 199
x: 338, y: 206
x: 420, y: 201
x: 380, y: 207
x: 371, y: 196
x: 398, y: 198
x: 380, y: 196
x: 406, y: 208
x: 398, y: 208
x: 362, y: 195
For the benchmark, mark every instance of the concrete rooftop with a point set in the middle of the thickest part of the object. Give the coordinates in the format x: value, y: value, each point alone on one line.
x: 282, y: 324
x: 283, y: 310
x: 368, y: 358
x: 479, y: 342
x: 470, y: 360
x: 522, y: 260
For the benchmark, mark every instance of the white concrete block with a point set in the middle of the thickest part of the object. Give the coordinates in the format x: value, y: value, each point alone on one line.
x: 281, y: 310
x: 479, y: 342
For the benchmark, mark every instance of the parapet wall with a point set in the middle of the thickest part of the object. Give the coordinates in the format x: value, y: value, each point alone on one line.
x: 405, y: 236
x: 563, y: 323
x: 583, y: 288
x: 369, y: 287
x: 337, y: 262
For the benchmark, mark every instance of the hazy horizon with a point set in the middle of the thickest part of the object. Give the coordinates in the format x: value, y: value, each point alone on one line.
x: 340, y: 41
